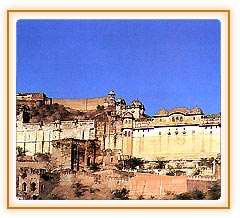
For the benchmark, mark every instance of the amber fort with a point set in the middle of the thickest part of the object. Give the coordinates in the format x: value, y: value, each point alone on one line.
x: 108, y: 131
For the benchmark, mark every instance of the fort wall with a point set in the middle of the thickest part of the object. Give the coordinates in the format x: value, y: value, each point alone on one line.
x: 36, y: 138
x: 148, y: 185
x: 82, y: 104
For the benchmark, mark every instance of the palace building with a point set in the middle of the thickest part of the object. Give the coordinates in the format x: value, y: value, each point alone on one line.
x: 178, y: 134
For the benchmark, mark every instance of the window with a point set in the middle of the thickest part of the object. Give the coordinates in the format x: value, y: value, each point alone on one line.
x: 125, y: 133
x: 176, y: 131
x: 210, y: 132
x: 184, y: 131
x: 173, y: 119
x: 193, y: 118
x: 24, y: 186
x: 177, y: 119
x: 193, y: 132
x: 33, y: 186
x: 159, y: 133
x: 129, y: 134
x: 181, y: 119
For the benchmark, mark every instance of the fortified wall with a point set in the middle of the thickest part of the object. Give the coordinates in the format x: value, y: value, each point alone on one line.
x: 83, y: 104
x: 37, y: 138
x: 178, y: 134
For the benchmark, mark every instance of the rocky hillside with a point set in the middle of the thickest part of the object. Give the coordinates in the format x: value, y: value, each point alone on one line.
x: 50, y: 113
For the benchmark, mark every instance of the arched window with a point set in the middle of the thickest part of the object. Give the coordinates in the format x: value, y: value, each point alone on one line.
x: 181, y: 119
x: 33, y: 186
x: 177, y: 119
x: 24, y: 186
x: 173, y: 119
x: 129, y: 134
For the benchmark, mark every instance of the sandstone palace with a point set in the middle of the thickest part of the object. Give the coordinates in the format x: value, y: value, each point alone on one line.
x: 181, y: 133
x: 79, y: 132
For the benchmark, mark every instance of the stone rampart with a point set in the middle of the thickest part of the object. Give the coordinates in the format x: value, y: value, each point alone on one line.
x: 82, y: 104
x: 148, y: 185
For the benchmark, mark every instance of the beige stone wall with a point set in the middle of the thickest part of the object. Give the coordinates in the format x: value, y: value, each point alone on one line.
x: 34, y: 138
x: 170, y: 142
x: 81, y: 104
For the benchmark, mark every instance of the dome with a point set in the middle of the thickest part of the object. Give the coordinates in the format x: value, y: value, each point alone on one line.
x: 196, y: 110
x: 182, y: 110
x: 162, y: 112
x: 111, y: 93
x: 121, y: 101
x: 137, y: 103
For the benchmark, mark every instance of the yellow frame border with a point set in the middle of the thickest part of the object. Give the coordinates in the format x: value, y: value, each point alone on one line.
x: 116, y: 11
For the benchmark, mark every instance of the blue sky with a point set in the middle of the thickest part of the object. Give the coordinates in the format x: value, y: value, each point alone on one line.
x: 163, y: 63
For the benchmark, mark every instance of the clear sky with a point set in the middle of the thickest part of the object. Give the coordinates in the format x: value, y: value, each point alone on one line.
x: 163, y: 63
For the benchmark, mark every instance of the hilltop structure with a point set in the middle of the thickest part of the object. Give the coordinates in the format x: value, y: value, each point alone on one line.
x: 51, y: 155
x: 178, y: 134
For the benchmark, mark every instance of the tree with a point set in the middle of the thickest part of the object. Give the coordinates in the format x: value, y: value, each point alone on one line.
x: 160, y: 164
x: 184, y: 196
x: 100, y: 108
x: 197, y: 195
x: 43, y: 156
x: 121, y: 194
x: 192, y: 195
x: 214, y: 192
x: 133, y: 163
x: 20, y: 151
x: 119, y: 166
x: 80, y: 189
x: 94, y: 167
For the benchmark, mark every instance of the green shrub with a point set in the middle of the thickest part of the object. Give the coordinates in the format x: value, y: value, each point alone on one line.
x: 214, y: 193
x: 121, y: 194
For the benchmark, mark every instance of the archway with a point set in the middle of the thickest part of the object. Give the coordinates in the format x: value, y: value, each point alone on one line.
x: 33, y: 186
x: 24, y: 186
